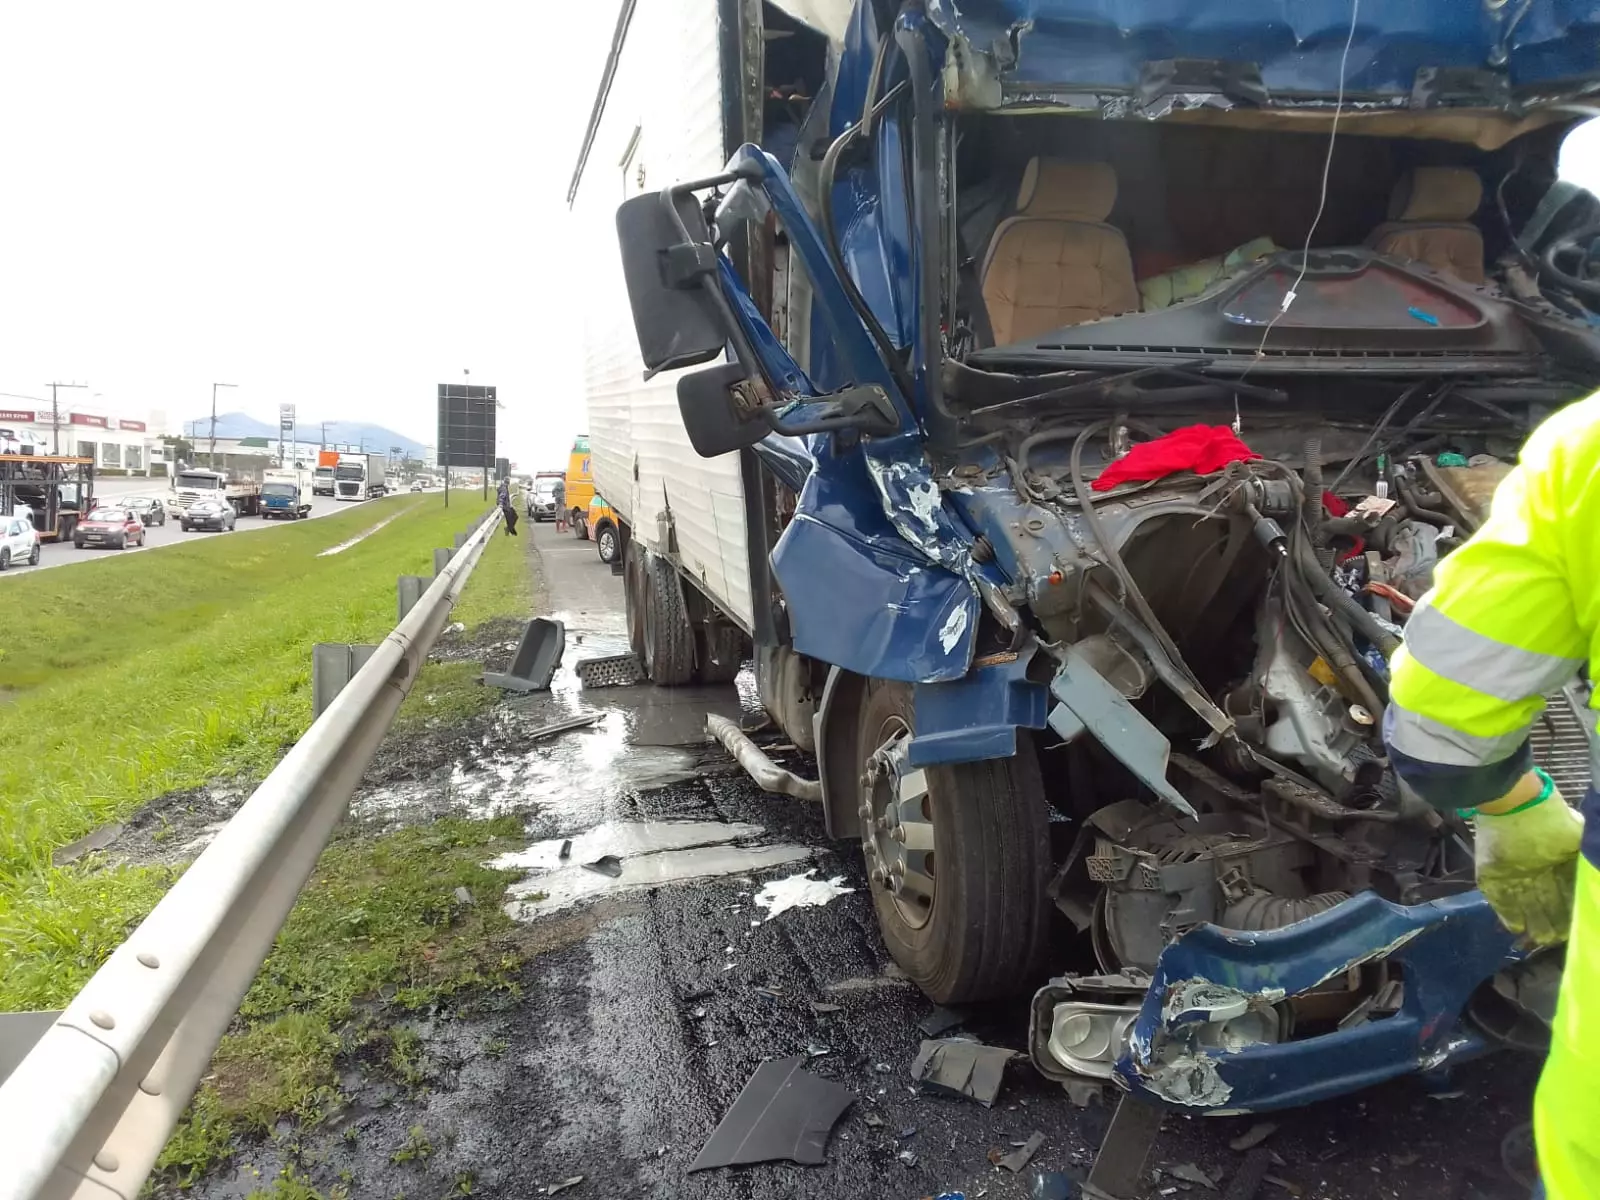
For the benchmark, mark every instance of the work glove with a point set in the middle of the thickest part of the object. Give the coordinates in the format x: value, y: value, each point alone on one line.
x: 1527, y: 861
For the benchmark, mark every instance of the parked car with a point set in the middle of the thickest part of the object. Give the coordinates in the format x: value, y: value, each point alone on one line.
x: 542, y: 496
x: 118, y: 528
x: 209, y: 514
x: 151, y: 510
x: 19, y: 541
x: 603, y: 528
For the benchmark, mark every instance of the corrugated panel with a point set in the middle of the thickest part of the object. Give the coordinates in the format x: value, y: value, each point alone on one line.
x: 662, y: 123
x: 1560, y: 742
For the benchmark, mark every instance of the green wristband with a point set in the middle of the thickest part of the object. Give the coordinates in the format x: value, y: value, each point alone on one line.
x: 1548, y: 786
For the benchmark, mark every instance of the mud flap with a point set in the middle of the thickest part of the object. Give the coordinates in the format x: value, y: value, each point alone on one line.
x: 538, y: 655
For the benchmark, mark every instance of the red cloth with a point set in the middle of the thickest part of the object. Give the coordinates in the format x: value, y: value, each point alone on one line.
x: 1198, y: 448
x: 1338, y: 508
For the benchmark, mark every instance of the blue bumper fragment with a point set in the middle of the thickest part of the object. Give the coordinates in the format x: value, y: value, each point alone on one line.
x: 1180, y: 1055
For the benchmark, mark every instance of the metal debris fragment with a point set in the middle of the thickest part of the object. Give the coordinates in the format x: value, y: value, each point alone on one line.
x: 464, y: 897
x: 907, y: 1157
x: 573, y: 1181
x: 962, y: 1068
x: 566, y: 849
x: 1294, y: 1189
x: 874, y: 1120
x: 822, y: 1007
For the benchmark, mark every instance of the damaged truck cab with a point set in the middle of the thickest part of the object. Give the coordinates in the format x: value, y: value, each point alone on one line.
x: 1103, y: 396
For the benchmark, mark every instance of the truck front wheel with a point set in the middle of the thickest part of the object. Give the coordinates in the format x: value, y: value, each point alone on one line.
x: 668, y: 635
x: 959, y: 858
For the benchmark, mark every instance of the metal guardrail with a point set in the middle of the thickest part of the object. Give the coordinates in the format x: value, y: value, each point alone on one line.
x: 88, y: 1111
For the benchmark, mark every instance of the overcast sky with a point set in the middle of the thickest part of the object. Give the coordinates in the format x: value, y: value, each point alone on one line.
x: 338, y: 205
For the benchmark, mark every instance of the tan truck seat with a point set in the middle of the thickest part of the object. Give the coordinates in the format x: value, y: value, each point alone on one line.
x: 1429, y: 221
x: 1056, y: 262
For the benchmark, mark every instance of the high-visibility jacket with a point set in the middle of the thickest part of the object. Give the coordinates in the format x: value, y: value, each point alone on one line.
x: 1513, y: 615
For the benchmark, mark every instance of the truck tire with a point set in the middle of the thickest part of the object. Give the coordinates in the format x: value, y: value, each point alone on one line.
x: 633, y: 599
x: 580, y: 526
x: 723, y: 650
x: 981, y: 930
x: 668, y: 636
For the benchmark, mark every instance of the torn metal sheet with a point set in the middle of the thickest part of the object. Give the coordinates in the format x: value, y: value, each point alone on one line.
x: 783, y: 1112
x: 962, y: 1068
x: 1022, y: 1155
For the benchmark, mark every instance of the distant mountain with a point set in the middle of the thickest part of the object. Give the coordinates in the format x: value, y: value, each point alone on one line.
x: 378, y: 438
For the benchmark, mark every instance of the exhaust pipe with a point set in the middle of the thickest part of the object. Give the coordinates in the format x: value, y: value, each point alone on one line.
x: 769, y: 776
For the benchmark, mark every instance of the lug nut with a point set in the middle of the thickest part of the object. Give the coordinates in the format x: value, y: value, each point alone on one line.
x: 899, y: 833
x: 878, y: 876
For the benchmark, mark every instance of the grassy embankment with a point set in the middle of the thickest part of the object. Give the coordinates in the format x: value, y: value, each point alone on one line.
x: 128, y: 678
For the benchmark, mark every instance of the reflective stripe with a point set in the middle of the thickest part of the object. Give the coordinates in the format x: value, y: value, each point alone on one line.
x: 1465, y: 656
x: 1433, y: 741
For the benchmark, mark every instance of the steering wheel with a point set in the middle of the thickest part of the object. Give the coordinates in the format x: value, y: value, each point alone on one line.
x: 1574, y: 242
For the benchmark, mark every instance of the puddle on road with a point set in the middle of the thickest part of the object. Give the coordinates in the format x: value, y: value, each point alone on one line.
x: 650, y: 853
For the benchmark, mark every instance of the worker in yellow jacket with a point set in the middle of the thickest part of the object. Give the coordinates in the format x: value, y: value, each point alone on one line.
x: 1514, y: 614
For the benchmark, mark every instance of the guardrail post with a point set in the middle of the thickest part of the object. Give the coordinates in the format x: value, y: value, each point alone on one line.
x: 461, y: 540
x: 411, y: 588
x: 441, y: 559
x: 334, y: 664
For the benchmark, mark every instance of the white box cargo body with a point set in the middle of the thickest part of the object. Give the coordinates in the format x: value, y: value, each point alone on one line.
x: 660, y: 122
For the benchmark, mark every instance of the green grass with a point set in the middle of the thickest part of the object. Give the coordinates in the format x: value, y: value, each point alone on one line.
x: 379, y: 916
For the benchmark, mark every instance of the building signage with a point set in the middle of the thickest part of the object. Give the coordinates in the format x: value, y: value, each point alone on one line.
x: 88, y: 419
x: 135, y: 426
x: 285, y: 418
x: 20, y: 415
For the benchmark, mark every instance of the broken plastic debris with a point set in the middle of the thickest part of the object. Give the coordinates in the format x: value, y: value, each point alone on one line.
x: 799, y: 891
x: 874, y: 1120
x: 907, y: 1157
x: 464, y: 897
x: 1254, y: 1136
x: 566, y: 849
x: 606, y: 864
x: 821, y: 1006
x: 962, y: 1068
x: 815, y: 1051
x: 783, y: 1112
x: 1022, y: 1155
x: 772, y: 993
x: 1190, y: 1173
x: 1053, y: 1185
x: 574, y: 1181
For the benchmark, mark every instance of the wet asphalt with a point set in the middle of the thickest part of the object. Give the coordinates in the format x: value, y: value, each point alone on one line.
x: 646, y: 1005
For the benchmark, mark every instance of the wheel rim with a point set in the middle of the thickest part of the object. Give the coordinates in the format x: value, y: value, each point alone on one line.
x: 608, y: 544
x: 5, y: 559
x: 897, y: 818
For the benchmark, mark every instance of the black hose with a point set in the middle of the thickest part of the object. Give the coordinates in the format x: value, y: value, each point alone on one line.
x: 1342, y: 602
x: 1426, y: 514
x: 1311, y: 502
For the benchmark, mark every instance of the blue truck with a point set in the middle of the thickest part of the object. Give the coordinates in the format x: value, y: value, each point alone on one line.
x: 933, y: 287
x: 286, y: 495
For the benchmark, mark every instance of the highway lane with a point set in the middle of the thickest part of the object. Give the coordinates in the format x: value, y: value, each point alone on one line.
x: 55, y: 554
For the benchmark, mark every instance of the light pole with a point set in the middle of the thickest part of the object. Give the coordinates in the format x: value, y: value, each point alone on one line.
x: 214, y: 388
x: 55, y: 415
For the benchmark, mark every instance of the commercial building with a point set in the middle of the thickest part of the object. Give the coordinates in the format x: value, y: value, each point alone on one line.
x: 116, y: 441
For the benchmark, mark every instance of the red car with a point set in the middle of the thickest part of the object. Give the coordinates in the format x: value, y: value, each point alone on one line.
x: 116, y: 527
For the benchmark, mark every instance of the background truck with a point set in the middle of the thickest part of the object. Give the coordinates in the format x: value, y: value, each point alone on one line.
x: 202, y: 483
x: 286, y: 494
x: 1103, y: 714
x: 359, y: 476
x: 322, y: 480
x: 55, y: 491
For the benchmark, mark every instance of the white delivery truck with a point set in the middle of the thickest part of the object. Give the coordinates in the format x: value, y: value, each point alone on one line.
x: 686, y: 556
x: 359, y: 476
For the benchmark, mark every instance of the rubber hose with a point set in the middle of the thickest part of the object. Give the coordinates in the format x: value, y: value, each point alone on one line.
x: 1336, y: 598
x: 1425, y: 514
x: 1311, y: 503
x: 1264, y: 910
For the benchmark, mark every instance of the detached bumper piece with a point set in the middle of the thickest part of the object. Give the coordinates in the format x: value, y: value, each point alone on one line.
x: 1235, y: 1021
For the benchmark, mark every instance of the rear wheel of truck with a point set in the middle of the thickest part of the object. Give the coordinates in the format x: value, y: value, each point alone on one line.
x: 959, y: 857
x: 668, y: 635
x: 633, y: 597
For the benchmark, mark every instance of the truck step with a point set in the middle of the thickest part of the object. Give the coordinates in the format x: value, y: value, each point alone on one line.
x: 616, y: 670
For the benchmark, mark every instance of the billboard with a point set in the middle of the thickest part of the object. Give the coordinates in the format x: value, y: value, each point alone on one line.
x: 466, y: 425
x: 285, y: 418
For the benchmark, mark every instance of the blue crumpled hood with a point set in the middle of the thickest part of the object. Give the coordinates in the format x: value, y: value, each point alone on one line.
x: 1296, y: 43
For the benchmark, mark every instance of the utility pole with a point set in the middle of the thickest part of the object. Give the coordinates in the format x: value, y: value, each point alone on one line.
x: 55, y: 415
x: 214, y: 388
x: 323, y: 445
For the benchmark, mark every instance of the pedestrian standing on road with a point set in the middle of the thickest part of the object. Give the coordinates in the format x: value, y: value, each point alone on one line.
x: 560, y: 495
x: 1514, y: 615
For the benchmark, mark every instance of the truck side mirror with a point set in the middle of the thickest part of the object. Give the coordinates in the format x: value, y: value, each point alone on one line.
x: 665, y: 263
x: 715, y: 414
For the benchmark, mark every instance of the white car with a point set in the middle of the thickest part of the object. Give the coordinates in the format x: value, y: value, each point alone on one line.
x: 19, y: 541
